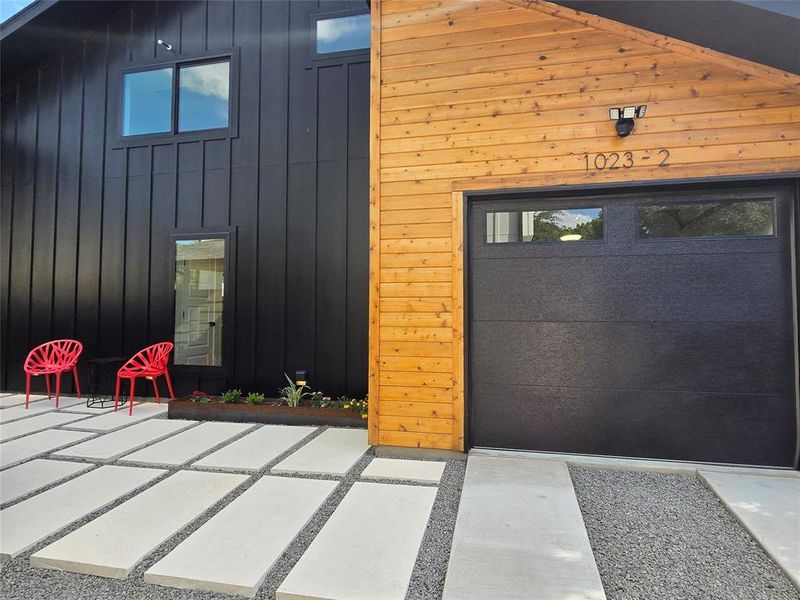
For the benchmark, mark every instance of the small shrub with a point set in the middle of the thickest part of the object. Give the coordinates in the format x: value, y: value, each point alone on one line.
x: 201, y: 397
x: 255, y: 398
x: 231, y: 396
x: 292, y: 394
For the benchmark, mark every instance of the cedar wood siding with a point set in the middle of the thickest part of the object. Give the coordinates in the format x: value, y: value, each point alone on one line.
x: 86, y: 224
x: 495, y: 94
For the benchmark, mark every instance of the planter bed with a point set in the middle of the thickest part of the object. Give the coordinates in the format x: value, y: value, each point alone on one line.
x: 185, y: 408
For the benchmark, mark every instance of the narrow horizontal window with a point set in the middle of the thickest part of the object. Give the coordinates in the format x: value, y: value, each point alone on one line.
x: 340, y: 34
x: 567, y: 225
x: 147, y: 102
x: 204, y: 96
x: 199, y: 299
x: 743, y: 218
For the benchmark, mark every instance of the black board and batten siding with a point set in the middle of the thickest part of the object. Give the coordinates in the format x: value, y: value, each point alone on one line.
x: 87, y: 224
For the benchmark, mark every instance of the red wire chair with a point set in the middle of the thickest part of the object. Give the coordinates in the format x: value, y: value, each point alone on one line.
x: 149, y: 363
x: 55, y: 357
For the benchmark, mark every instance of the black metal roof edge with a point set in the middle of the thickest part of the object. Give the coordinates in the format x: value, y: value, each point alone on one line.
x: 25, y: 16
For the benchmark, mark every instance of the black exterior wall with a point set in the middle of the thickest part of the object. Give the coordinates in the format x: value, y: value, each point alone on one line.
x: 87, y: 224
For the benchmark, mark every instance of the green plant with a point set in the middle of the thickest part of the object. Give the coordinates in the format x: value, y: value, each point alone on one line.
x: 255, y: 398
x: 342, y: 403
x: 231, y: 396
x: 292, y: 394
x: 201, y: 397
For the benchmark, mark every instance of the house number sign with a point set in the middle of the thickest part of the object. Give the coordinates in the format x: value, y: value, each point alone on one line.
x: 603, y: 161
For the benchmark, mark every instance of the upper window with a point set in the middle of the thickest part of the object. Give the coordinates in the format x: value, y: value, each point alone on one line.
x: 567, y: 225
x: 743, y: 218
x: 147, y: 102
x: 343, y: 34
x: 198, y: 93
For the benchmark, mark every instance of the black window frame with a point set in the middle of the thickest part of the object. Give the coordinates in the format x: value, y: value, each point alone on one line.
x: 345, y: 56
x: 229, y: 236
x: 178, y: 61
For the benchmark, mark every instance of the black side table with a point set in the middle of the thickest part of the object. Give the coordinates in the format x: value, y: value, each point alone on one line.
x: 102, y: 373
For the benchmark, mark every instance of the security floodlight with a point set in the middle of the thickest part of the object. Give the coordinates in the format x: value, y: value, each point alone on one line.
x: 624, y: 118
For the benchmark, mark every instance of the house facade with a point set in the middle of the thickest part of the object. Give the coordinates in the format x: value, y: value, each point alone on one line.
x: 520, y: 225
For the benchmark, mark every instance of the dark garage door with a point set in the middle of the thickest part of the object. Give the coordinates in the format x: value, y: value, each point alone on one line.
x: 656, y: 325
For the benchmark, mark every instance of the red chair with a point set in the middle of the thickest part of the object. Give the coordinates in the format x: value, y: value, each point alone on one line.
x: 56, y: 357
x: 149, y: 363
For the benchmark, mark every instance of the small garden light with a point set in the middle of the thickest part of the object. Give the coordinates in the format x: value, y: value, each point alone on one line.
x: 624, y: 118
x: 301, y: 377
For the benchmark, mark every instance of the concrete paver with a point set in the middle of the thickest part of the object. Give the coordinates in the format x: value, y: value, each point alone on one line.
x: 333, y: 452
x: 187, y: 445
x: 9, y: 400
x: 113, y: 445
x: 368, y: 547
x: 115, y: 542
x: 20, y: 449
x: 33, y: 475
x: 114, y: 420
x: 423, y: 471
x: 32, y: 520
x: 769, y: 508
x: 519, y: 529
x: 233, y: 552
x: 253, y: 451
x: 20, y: 412
x: 15, y: 429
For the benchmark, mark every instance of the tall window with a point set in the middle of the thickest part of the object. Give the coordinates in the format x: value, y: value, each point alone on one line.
x: 199, y: 299
x: 197, y: 92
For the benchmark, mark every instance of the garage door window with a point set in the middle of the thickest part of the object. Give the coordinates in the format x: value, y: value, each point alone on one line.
x: 567, y: 225
x: 746, y: 218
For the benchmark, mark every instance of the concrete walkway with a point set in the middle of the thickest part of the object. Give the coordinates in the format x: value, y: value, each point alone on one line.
x: 769, y: 508
x: 520, y: 534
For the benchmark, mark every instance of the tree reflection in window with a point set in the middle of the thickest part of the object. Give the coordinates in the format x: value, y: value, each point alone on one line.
x: 565, y: 225
x: 708, y: 219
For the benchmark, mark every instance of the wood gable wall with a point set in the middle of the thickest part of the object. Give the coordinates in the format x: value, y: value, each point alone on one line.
x: 493, y: 94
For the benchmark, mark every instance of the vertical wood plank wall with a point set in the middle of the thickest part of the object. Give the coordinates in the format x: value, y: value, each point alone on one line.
x: 490, y: 94
x: 86, y: 224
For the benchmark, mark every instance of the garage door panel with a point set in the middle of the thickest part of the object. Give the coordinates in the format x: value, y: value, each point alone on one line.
x: 702, y: 357
x: 738, y: 428
x: 686, y: 288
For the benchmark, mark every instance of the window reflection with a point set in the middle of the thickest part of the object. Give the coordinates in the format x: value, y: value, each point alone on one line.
x: 147, y: 102
x: 343, y: 33
x: 567, y: 225
x: 199, y: 298
x: 708, y: 219
x: 203, y: 96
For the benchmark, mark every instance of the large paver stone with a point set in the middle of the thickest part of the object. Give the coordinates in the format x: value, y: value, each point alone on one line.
x: 27, y: 523
x: 115, y: 542
x: 15, y: 429
x: 255, y: 450
x: 422, y: 471
x: 233, y: 552
x: 35, y: 474
x: 21, y: 449
x: 113, y: 445
x: 769, y: 508
x: 111, y: 420
x: 367, y: 549
x: 333, y: 452
x: 187, y: 445
x: 9, y: 400
x: 520, y: 534
x: 36, y: 408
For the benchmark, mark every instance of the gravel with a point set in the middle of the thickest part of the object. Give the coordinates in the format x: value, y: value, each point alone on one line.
x: 667, y: 536
x: 18, y: 580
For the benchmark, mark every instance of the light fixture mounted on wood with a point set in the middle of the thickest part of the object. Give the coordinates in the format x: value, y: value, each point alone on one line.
x: 624, y: 118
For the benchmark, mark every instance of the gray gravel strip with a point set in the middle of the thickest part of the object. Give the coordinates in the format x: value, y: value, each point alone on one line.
x: 667, y: 536
x: 18, y: 580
